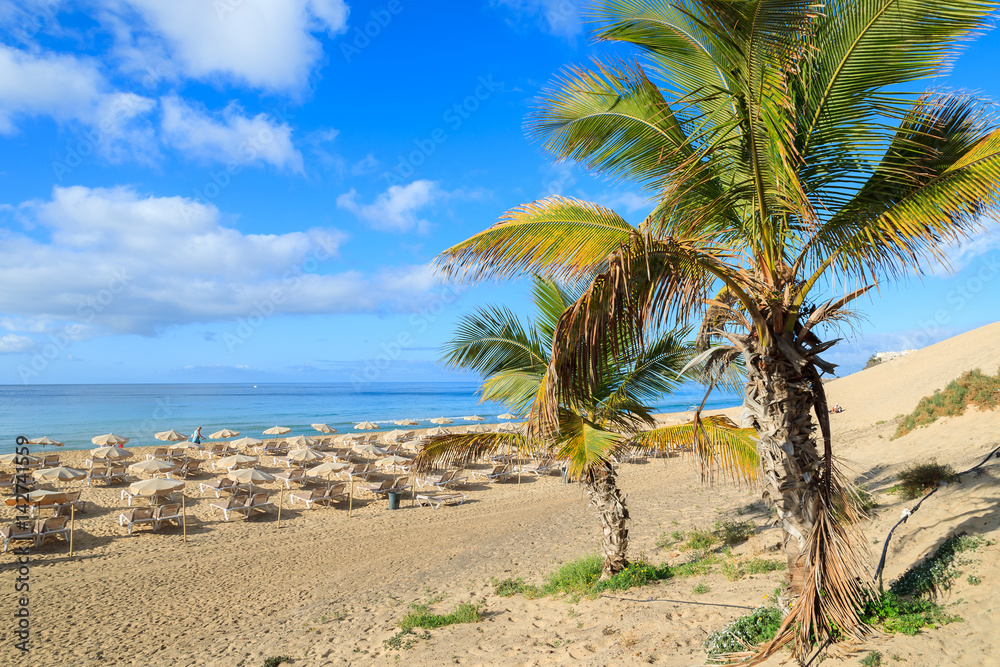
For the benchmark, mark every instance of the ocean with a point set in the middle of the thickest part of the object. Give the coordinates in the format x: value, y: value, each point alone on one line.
x: 75, y: 413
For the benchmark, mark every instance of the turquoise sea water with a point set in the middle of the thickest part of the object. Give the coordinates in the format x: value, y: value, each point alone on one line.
x: 76, y: 413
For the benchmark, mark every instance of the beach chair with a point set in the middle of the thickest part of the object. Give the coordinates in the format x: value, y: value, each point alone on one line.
x: 51, y: 528
x: 47, y: 503
x: 449, y: 479
x: 189, y: 468
x: 361, y: 471
x: 237, y: 503
x: 166, y: 514
x: 539, y: 468
x: 497, y: 474
x: 434, y: 501
x: 297, y: 476
x: 382, y: 488
x: 216, y: 485
x: 136, y: 517
x: 117, y: 473
x: 259, y: 503
x: 50, y: 461
x: 100, y: 474
x: 161, y: 453
x: 71, y: 501
x: 217, y: 449
x: 7, y: 481
x: 17, y: 531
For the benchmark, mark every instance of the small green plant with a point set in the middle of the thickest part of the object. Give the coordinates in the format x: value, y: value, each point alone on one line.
x: 581, y: 577
x: 699, y: 539
x: 735, y: 569
x: 974, y: 580
x: 511, y: 587
x: 873, y: 659
x: 734, y: 532
x: 420, y: 617
x: 700, y: 589
x: 758, y: 626
x: 919, y: 478
x: 937, y: 571
x: 971, y: 388
x: 276, y: 660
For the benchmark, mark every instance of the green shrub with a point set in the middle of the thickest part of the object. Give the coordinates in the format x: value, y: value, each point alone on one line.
x: 734, y: 532
x: 276, y: 660
x: 873, y: 659
x: 700, y: 588
x: 895, y: 614
x: 971, y: 388
x: 636, y: 574
x: 735, y: 569
x: 575, y: 576
x: 699, y: 539
x: 758, y: 626
x: 937, y: 571
x: 420, y: 617
x: 919, y: 478
x: 582, y: 577
x: 511, y: 587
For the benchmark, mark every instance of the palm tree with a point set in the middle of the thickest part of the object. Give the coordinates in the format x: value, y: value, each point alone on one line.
x: 791, y: 173
x: 514, y: 358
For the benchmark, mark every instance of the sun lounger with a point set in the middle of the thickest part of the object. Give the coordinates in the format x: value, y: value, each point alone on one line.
x: 135, y: 517
x: 497, y: 474
x: 70, y: 502
x: 259, y: 503
x: 298, y: 476
x: 54, y: 527
x: 445, y: 480
x: 165, y: 514
x: 216, y: 485
x: 160, y: 453
x: 237, y: 503
x: 100, y: 474
x: 17, y: 531
x: 49, y: 502
x: 538, y: 469
x: 434, y: 501
x: 360, y: 470
x: 382, y: 488
x: 50, y: 461
x: 321, y: 495
x: 189, y: 468
x: 117, y: 473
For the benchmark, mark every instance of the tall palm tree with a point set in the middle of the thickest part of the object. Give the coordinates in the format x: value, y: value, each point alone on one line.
x: 614, y: 419
x: 791, y: 173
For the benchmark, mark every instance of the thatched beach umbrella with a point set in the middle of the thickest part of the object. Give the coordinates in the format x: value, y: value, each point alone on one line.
x: 59, y: 474
x: 152, y: 466
x: 35, y: 496
x: 246, y: 441
x: 478, y: 428
x: 406, y: 422
x: 277, y: 430
x: 186, y: 444
x: 324, y: 428
x: 250, y: 475
x: 44, y: 441
x: 300, y: 441
x: 108, y: 453
x: 370, y: 449
x: 305, y: 455
x: 171, y: 436
x: 11, y: 459
x: 440, y: 430
x: 108, y: 440
x: 155, y: 487
x: 507, y: 415
x: 394, y: 434
x: 473, y: 418
x: 224, y: 433
x: 235, y: 460
x: 442, y: 420
x: 366, y: 426
x: 328, y: 468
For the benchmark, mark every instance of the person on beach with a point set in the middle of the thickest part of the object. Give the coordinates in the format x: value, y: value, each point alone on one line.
x: 196, y: 436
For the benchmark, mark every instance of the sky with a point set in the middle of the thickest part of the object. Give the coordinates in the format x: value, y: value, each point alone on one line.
x: 254, y: 190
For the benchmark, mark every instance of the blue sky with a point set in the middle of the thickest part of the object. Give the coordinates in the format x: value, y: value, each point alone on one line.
x: 252, y: 190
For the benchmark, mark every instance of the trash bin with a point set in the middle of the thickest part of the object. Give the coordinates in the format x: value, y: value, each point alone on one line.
x: 394, y: 498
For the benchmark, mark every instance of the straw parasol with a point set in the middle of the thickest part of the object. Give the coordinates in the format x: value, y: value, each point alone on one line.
x: 473, y: 418
x: 304, y: 455
x: 393, y: 434
x: 155, y: 487
x: 366, y: 426
x: 277, y: 430
x: 11, y: 459
x: 59, y: 474
x: 442, y: 420
x: 152, y: 466
x: 478, y: 428
x: 510, y: 428
x: 369, y: 449
x: 235, y: 460
x: 109, y: 452
x: 324, y: 428
x: 407, y: 422
x: 108, y: 439
x: 250, y: 475
x: 507, y: 415
x: 34, y: 496
x: 440, y: 430
x: 224, y: 433
x: 45, y: 440
x: 186, y: 444
x: 171, y: 435
x: 300, y: 441
x: 327, y: 468
x: 246, y: 441
x: 393, y: 460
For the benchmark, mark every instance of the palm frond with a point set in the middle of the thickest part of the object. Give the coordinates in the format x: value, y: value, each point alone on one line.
x: 720, y: 448
x: 464, y: 449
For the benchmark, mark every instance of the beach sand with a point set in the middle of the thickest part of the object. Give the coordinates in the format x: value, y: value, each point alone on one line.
x: 328, y: 590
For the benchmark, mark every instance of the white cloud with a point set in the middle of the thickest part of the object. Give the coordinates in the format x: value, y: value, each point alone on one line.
x: 229, y: 137
x: 73, y: 90
x: 397, y: 208
x: 266, y: 44
x: 114, y: 261
x: 560, y: 17
x: 12, y: 344
x: 960, y: 255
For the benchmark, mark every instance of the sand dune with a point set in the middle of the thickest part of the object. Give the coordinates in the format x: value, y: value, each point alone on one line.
x: 328, y: 590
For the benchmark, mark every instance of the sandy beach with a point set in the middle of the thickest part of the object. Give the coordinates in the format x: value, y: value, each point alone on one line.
x: 328, y: 590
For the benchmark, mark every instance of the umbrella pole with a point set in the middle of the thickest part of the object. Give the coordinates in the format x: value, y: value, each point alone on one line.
x: 281, y: 495
x: 72, y: 525
x: 184, y: 519
x: 350, y: 495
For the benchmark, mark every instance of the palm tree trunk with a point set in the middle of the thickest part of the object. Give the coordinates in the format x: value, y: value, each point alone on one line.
x: 779, y: 398
x: 609, y: 502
